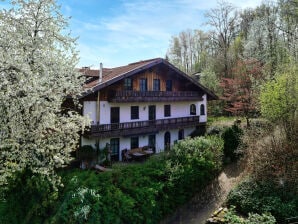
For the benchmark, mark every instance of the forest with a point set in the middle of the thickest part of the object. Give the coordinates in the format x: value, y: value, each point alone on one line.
x: 240, y: 52
x: 249, y: 59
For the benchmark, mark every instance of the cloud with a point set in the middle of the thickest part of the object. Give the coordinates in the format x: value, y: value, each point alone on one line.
x: 137, y: 29
x: 145, y: 28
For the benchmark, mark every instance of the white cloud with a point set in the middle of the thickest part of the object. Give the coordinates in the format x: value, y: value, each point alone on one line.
x: 141, y: 29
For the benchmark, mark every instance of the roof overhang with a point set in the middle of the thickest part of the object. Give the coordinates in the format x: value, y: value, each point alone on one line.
x: 99, y: 86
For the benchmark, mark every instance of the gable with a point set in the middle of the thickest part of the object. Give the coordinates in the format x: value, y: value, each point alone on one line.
x: 149, y: 70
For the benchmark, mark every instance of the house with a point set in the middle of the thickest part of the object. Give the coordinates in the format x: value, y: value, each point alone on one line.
x: 147, y: 103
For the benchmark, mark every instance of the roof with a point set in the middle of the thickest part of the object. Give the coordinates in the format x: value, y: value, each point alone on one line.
x: 112, y: 75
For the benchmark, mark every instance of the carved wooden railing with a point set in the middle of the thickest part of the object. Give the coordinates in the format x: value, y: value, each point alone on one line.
x: 141, y: 96
x: 138, y: 127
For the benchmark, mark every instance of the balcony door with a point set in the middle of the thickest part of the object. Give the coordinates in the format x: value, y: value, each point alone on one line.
x: 167, y: 140
x: 115, y: 149
x: 152, y: 142
x: 115, y: 117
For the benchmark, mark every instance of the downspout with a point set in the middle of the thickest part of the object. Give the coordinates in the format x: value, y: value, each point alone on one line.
x: 98, y: 109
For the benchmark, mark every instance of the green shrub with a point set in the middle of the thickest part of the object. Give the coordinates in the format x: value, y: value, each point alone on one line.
x: 253, y: 218
x: 253, y: 197
x: 134, y: 193
x: 214, y: 130
x: 232, y: 139
x: 265, y: 218
x: 26, y: 199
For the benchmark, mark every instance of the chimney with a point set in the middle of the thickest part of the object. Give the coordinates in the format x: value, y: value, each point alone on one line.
x: 100, y: 73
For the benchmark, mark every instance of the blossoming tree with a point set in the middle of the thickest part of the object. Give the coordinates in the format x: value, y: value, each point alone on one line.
x: 37, y: 74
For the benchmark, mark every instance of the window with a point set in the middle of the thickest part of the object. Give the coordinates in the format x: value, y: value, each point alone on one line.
x: 128, y: 84
x: 193, y: 109
x: 151, y: 141
x: 169, y: 85
x: 134, y: 112
x: 114, y: 147
x: 156, y: 85
x: 143, y: 84
x: 202, y: 109
x: 167, y: 140
x: 134, y: 142
x: 167, y: 110
x: 181, y: 134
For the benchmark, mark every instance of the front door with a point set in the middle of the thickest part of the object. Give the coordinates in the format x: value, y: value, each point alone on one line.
x: 115, y: 117
x: 152, y: 112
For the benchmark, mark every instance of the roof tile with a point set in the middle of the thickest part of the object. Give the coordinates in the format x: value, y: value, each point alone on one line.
x: 111, y: 73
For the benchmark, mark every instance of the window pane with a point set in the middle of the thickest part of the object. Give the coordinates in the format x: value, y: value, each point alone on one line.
x: 134, y: 112
x: 151, y: 141
x: 143, y: 84
x: 193, y: 109
x: 202, y: 109
x: 181, y: 134
x: 156, y: 85
x: 167, y: 110
x: 114, y: 144
x: 134, y: 142
x: 169, y: 85
x: 128, y: 84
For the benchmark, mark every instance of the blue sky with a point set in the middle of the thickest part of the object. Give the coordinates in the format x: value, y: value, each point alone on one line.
x: 118, y: 32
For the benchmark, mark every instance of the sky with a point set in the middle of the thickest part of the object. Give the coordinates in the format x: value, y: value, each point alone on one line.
x: 118, y: 32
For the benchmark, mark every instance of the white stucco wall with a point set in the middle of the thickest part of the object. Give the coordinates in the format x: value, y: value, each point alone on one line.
x: 178, y: 109
x: 203, y: 118
x: 143, y: 140
x: 89, y: 110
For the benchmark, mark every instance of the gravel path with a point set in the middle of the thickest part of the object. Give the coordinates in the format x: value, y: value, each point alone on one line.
x: 200, y: 207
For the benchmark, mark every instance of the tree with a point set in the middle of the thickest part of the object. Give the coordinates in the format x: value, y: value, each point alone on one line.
x: 224, y: 21
x: 279, y: 100
x: 262, y: 40
x: 288, y: 13
x: 37, y: 74
x: 239, y: 91
x: 189, y: 51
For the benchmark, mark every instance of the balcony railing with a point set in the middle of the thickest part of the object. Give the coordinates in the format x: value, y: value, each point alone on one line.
x: 147, y: 96
x: 143, y: 127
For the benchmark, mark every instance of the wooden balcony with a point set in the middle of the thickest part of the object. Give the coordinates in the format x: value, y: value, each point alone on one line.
x: 143, y: 127
x: 153, y: 96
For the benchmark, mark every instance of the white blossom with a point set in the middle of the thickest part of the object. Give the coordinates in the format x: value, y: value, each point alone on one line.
x: 37, y: 74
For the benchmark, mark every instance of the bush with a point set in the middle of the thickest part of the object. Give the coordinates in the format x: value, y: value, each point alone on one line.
x: 253, y: 218
x: 255, y: 197
x: 232, y: 139
x: 192, y: 163
x: 134, y: 193
x: 26, y: 199
x: 214, y: 130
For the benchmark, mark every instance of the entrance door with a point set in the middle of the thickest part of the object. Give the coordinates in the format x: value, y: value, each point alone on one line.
x: 152, y: 112
x: 115, y: 117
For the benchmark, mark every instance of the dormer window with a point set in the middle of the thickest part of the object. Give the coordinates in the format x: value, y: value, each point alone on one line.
x: 128, y: 84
